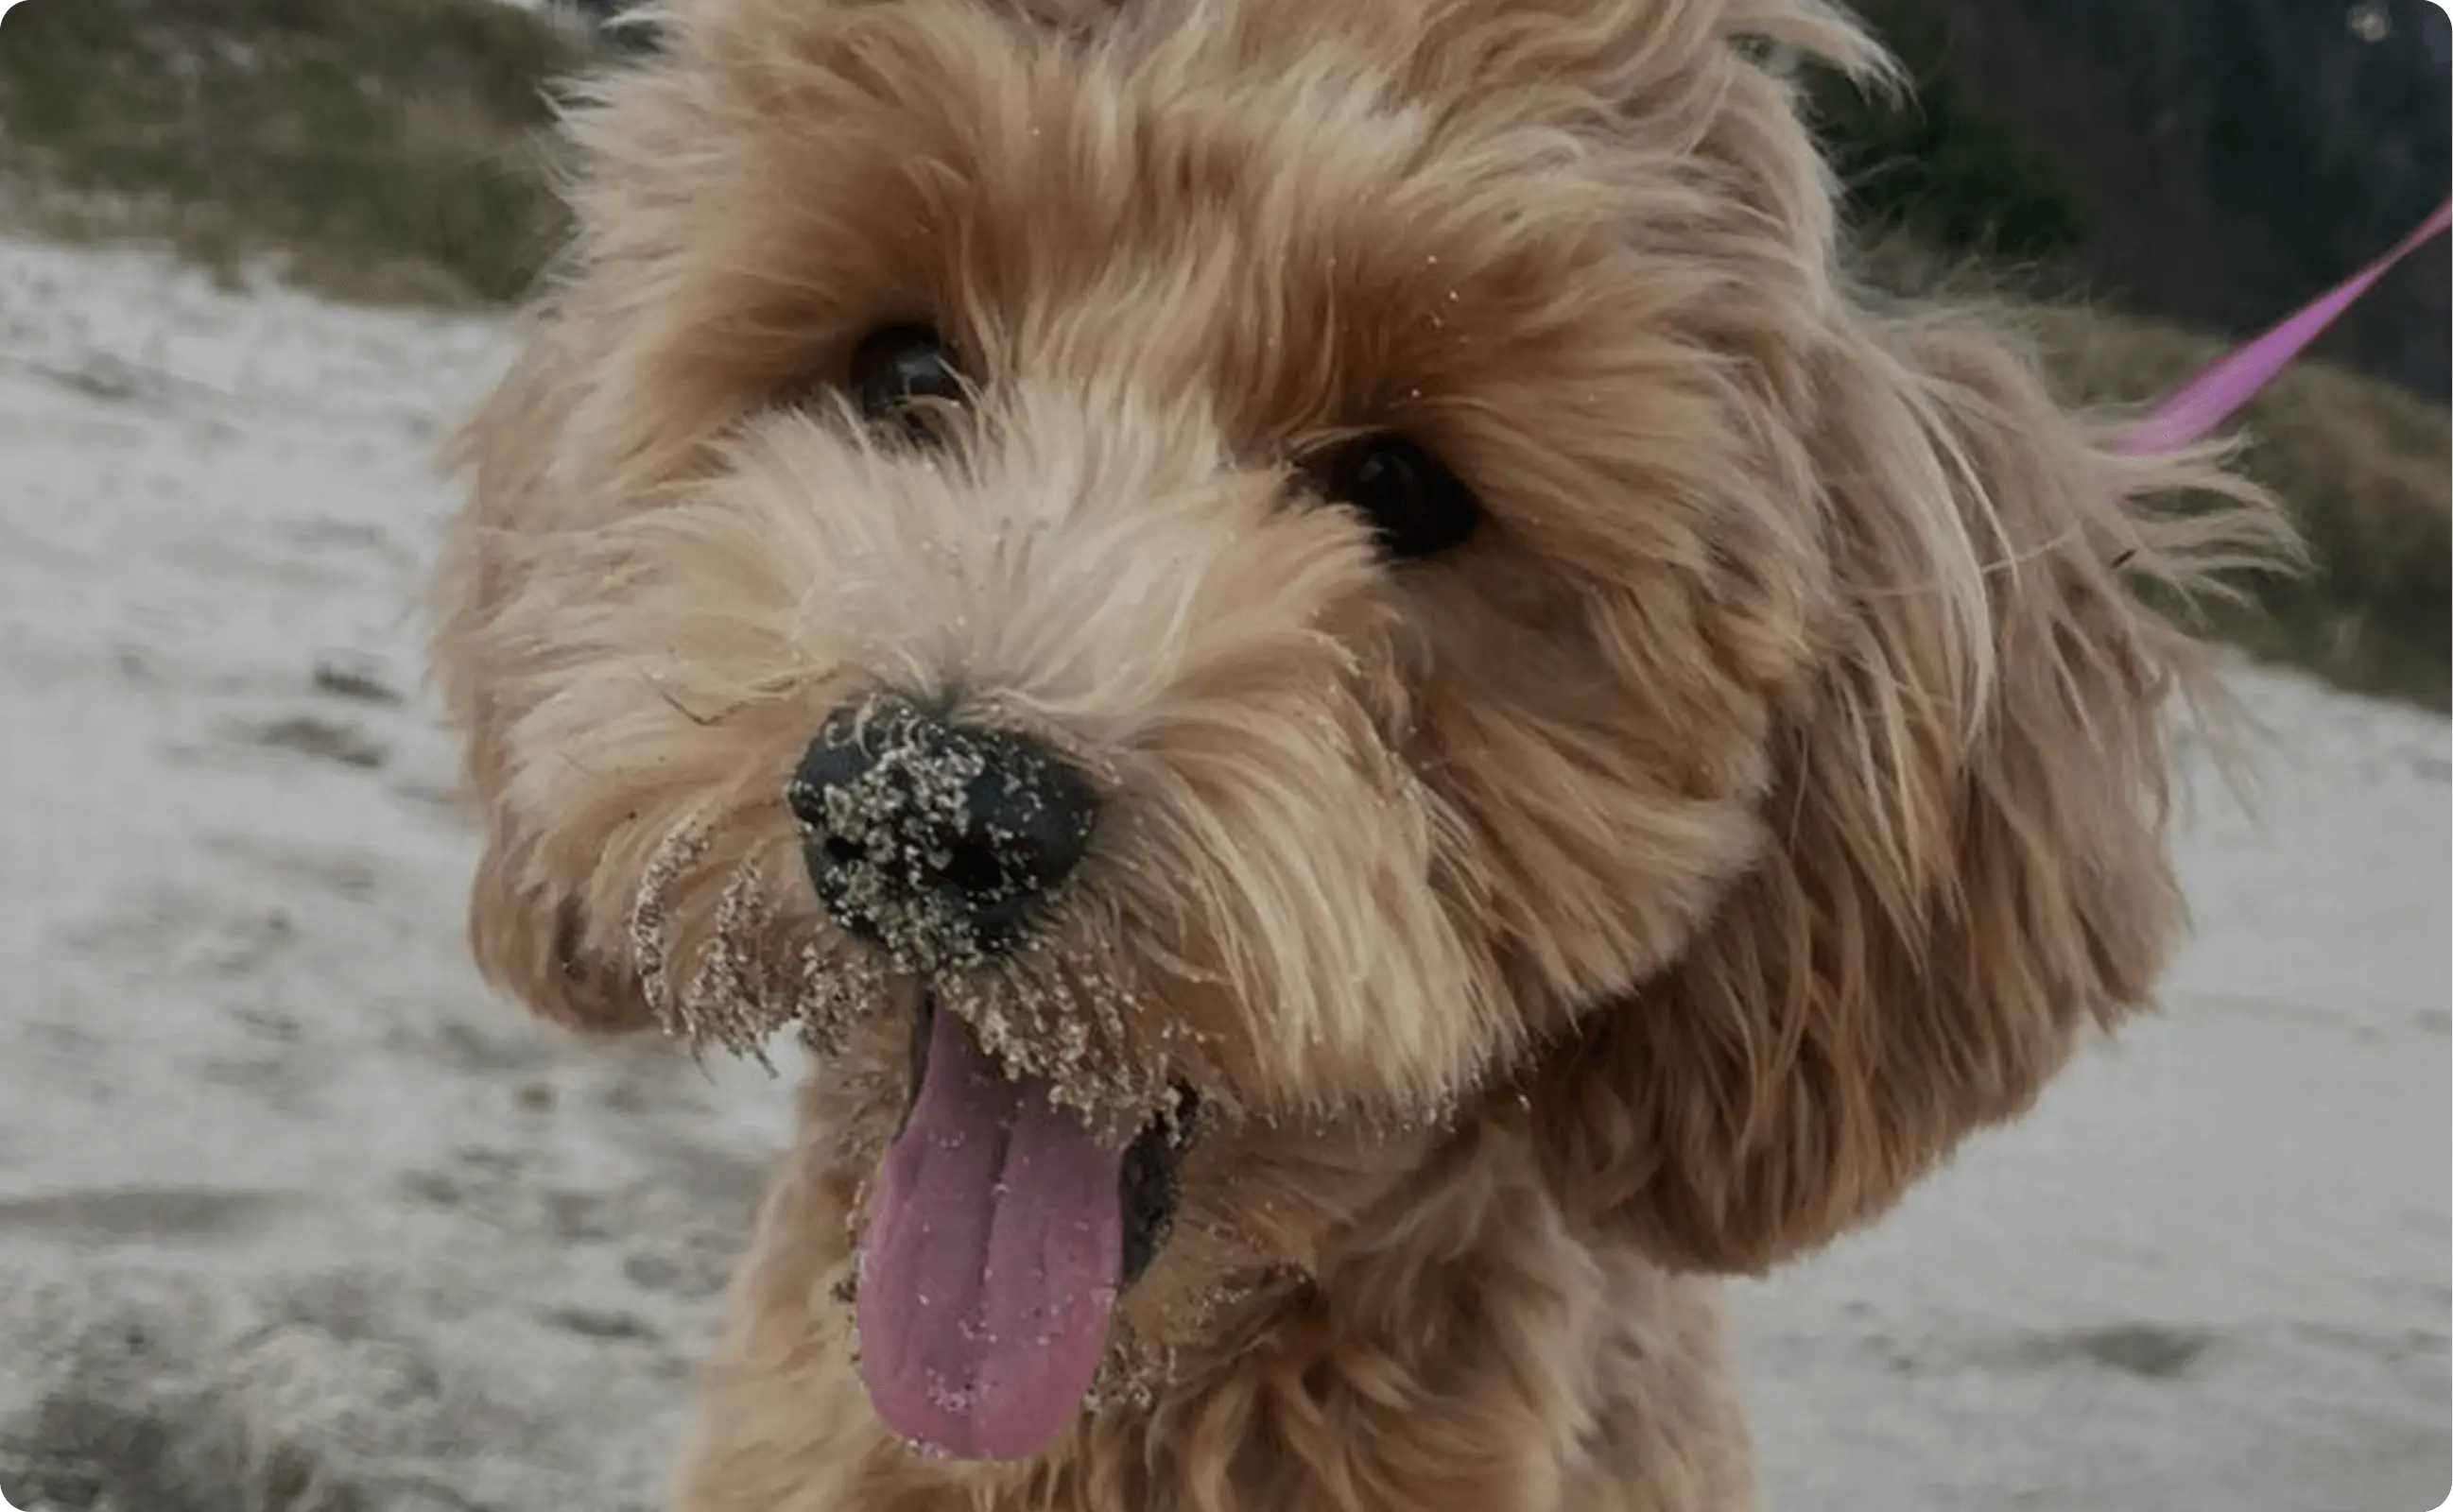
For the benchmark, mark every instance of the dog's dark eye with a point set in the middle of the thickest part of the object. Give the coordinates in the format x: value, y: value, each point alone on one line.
x: 899, y: 373
x: 1416, y: 506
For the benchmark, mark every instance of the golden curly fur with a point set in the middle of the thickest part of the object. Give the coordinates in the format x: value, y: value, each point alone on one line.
x: 1768, y: 795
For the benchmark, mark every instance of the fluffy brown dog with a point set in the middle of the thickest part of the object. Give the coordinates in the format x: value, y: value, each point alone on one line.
x: 1374, y: 721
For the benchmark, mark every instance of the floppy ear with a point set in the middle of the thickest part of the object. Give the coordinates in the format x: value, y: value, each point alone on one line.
x: 1967, y: 864
x: 526, y: 922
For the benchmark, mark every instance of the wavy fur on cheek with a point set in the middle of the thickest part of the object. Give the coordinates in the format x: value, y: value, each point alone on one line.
x: 1248, y: 932
x: 1970, y: 869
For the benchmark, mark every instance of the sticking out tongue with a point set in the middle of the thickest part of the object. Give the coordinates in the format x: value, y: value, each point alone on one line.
x: 991, y: 1262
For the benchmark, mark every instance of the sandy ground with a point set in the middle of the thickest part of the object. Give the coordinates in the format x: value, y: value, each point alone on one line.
x: 294, y: 1215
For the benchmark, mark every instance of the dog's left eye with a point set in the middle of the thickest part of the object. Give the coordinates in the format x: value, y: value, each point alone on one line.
x: 1416, y: 506
x: 900, y: 373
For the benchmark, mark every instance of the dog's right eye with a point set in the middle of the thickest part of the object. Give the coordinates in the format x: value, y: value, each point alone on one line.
x: 1415, y: 506
x: 900, y: 373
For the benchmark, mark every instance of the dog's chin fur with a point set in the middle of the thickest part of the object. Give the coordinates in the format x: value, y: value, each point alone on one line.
x: 1763, y: 798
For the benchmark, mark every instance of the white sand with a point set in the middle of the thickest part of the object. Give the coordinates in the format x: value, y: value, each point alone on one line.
x: 294, y: 1214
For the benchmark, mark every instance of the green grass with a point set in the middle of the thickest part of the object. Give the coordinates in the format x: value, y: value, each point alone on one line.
x: 386, y: 148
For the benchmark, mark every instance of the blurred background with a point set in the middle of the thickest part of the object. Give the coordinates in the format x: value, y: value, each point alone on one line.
x: 294, y: 1215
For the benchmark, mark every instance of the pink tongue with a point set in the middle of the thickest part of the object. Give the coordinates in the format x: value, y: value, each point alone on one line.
x: 991, y: 1261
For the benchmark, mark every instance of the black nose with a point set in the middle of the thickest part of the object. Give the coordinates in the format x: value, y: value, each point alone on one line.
x: 939, y: 842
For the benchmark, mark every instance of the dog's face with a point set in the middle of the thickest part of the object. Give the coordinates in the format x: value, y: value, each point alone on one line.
x: 1216, y: 577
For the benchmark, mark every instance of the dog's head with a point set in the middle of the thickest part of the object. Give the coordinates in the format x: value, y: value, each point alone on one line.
x: 1251, y: 576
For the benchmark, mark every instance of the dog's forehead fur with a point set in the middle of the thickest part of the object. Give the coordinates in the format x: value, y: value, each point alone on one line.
x: 1293, y: 208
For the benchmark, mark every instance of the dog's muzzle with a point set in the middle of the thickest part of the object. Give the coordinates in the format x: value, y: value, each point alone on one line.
x: 939, y: 842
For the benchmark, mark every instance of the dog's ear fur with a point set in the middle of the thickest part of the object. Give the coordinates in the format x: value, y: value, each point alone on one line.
x: 528, y: 925
x: 1966, y: 861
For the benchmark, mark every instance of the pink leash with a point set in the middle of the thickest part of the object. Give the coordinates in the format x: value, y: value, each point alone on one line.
x: 2193, y: 411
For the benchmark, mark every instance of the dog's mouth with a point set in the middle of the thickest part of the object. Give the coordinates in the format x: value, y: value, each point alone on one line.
x: 1002, y: 1230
